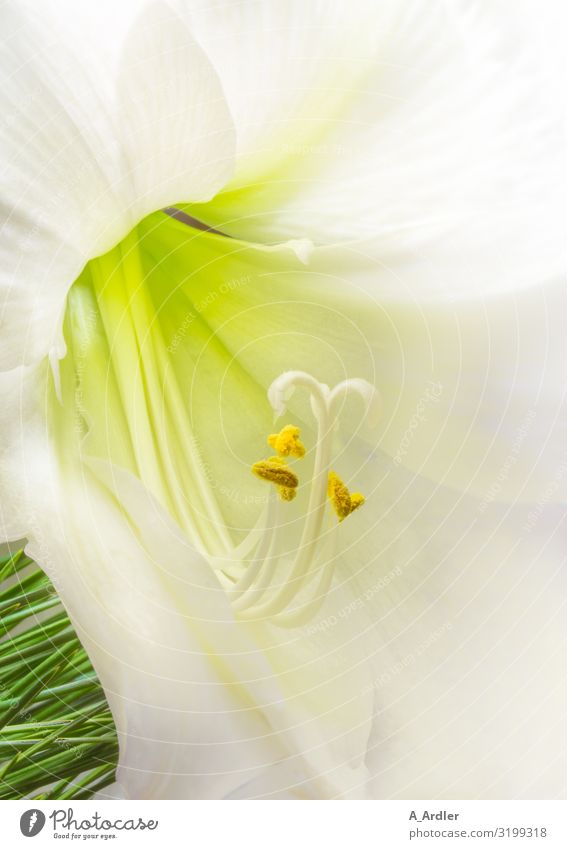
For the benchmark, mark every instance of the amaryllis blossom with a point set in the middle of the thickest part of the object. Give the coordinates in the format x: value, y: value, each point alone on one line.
x: 283, y: 377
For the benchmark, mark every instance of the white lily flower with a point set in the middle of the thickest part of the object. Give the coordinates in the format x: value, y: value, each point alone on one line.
x: 366, y: 245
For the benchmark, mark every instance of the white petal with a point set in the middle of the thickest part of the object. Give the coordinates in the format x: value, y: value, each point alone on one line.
x: 451, y: 610
x: 107, y: 116
x: 473, y: 391
x: 425, y: 125
x: 161, y: 640
x: 25, y: 453
x: 205, y: 706
x: 462, y: 612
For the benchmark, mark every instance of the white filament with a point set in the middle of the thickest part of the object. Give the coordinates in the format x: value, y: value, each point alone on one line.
x: 256, y: 595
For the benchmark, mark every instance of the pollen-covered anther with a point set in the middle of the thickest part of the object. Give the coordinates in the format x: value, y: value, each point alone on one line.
x: 276, y: 471
x: 258, y: 592
x: 343, y: 502
x: 286, y: 494
x: 357, y: 499
x: 287, y: 442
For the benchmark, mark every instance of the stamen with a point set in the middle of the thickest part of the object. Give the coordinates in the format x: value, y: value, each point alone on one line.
x: 357, y: 499
x: 339, y: 496
x: 287, y: 442
x: 298, y: 596
x: 344, y: 503
x: 287, y: 494
x: 276, y: 471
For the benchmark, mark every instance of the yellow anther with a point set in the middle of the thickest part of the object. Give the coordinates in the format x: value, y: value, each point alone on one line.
x: 276, y: 471
x: 287, y: 442
x: 343, y: 502
x: 286, y: 494
x: 357, y: 499
x: 339, y: 496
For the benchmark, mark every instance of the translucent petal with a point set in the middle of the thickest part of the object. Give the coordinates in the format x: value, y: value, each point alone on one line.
x: 433, y: 129
x: 460, y: 609
x: 108, y: 115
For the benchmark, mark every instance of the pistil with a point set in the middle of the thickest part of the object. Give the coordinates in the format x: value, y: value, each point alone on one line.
x: 257, y: 595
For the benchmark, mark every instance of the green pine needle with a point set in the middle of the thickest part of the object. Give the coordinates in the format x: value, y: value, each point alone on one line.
x: 57, y: 737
